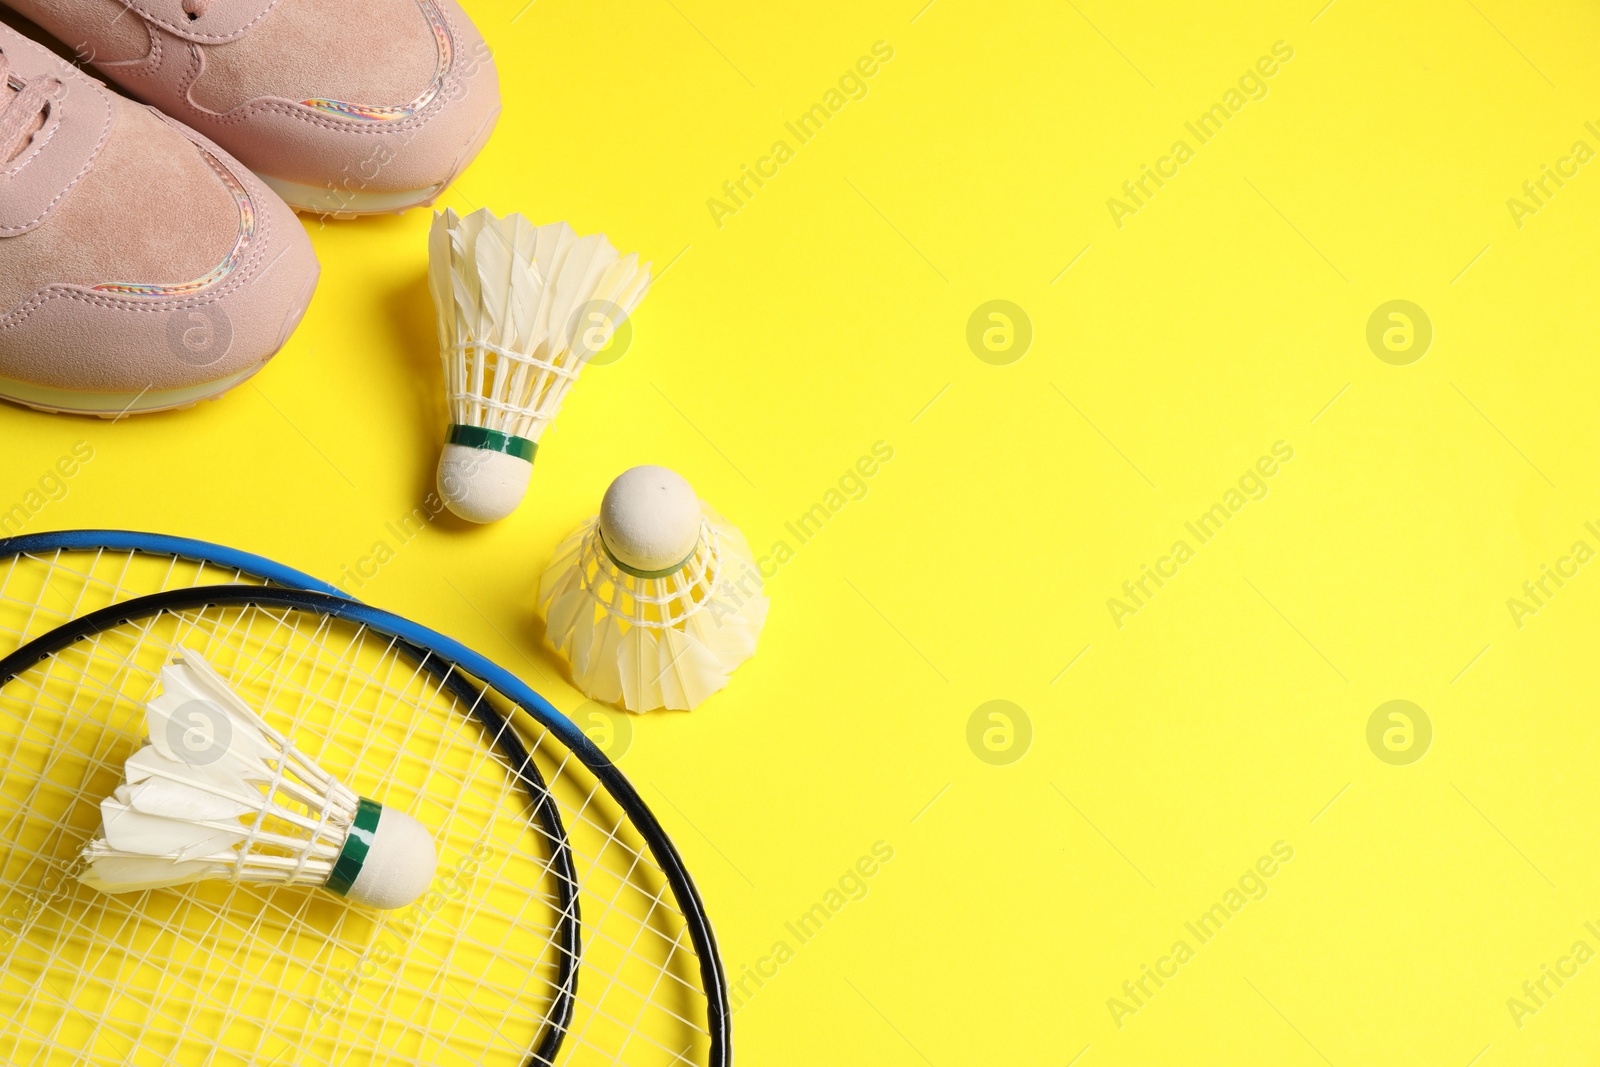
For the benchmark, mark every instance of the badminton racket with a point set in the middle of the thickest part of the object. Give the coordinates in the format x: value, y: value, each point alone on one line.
x: 219, y: 973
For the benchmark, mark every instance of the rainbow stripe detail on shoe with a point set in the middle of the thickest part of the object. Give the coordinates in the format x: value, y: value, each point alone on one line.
x: 374, y: 113
x: 247, y: 231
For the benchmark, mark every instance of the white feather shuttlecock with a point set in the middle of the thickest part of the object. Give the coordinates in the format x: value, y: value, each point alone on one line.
x: 655, y: 600
x: 521, y: 309
x: 216, y: 793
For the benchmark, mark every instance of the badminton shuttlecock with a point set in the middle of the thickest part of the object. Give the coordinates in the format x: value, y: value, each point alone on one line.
x: 655, y: 600
x: 219, y: 794
x: 521, y: 310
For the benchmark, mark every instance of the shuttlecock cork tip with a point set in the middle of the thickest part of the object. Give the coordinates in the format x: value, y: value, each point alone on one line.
x: 480, y: 485
x: 392, y: 856
x: 650, y: 520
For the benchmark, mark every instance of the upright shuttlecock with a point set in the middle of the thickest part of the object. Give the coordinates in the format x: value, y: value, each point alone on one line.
x: 219, y: 794
x: 521, y: 310
x: 655, y: 600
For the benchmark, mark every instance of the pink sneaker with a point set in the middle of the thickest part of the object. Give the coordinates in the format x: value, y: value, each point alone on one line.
x: 141, y: 267
x: 342, y: 107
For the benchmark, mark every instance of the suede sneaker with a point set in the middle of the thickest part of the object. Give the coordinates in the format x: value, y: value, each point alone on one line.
x: 342, y: 108
x: 141, y: 267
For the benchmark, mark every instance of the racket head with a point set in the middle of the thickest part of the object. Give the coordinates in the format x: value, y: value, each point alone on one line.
x: 632, y: 1006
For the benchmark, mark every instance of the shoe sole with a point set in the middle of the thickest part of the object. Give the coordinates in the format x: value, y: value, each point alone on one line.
x: 147, y: 401
x: 351, y: 203
x: 347, y: 204
x: 114, y: 405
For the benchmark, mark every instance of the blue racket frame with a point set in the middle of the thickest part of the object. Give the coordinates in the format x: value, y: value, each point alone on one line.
x: 568, y: 932
x: 165, y: 545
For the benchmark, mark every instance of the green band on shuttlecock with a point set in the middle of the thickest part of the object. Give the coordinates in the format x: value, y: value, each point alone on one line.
x: 347, y: 868
x: 636, y: 572
x: 492, y: 441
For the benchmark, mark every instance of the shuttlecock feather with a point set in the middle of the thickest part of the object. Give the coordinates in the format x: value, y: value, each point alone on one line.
x: 521, y: 310
x: 656, y: 600
x: 216, y: 793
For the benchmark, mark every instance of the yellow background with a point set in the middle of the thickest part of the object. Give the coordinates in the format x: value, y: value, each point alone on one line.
x: 830, y: 312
